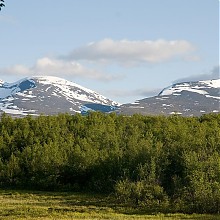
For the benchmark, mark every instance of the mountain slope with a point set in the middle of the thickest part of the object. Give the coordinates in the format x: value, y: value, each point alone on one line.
x: 46, y: 95
x: 187, y: 99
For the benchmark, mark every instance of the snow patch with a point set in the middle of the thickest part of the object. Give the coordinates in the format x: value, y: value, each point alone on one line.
x: 190, y: 87
x: 72, y: 90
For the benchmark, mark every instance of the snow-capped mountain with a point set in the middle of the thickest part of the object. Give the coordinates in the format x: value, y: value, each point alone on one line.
x: 52, y: 95
x: 187, y: 99
x: 46, y: 95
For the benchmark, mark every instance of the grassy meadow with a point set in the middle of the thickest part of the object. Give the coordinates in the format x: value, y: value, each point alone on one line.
x: 63, y: 205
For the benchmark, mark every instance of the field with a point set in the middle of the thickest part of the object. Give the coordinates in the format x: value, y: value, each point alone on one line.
x: 62, y: 205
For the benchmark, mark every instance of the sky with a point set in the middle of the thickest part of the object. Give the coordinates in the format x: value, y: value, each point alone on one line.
x: 125, y: 50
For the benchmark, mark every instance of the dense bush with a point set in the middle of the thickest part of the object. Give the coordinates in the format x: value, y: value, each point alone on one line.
x: 157, y: 163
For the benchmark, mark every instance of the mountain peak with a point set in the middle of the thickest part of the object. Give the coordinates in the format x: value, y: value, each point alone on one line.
x: 48, y: 95
x: 186, y: 99
x: 199, y: 87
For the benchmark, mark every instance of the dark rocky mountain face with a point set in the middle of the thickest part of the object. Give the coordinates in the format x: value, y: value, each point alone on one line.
x: 186, y: 99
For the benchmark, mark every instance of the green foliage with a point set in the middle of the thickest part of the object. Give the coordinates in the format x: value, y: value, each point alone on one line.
x: 142, y: 194
x: 155, y: 163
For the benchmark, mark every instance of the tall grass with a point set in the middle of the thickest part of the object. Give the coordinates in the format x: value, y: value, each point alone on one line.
x: 62, y: 205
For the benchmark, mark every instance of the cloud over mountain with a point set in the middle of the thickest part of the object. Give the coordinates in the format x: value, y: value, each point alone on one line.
x: 86, y: 61
x: 213, y: 74
x: 56, y: 67
x: 132, y: 52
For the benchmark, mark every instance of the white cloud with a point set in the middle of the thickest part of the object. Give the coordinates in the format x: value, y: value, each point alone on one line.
x: 123, y: 52
x: 55, y: 67
x: 132, y: 52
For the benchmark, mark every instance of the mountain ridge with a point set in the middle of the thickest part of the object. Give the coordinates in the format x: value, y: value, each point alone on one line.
x: 52, y: 95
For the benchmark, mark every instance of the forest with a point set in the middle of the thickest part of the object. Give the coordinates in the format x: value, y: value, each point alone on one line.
x: 168, y: 164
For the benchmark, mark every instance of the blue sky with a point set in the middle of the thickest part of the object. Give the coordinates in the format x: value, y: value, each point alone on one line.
x: 123, y: 49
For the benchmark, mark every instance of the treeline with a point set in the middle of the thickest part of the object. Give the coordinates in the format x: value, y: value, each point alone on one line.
x: 155, y: 163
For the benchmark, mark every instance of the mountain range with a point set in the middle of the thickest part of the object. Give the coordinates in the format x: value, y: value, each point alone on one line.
x: 52, y: 95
